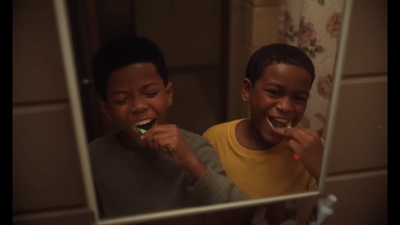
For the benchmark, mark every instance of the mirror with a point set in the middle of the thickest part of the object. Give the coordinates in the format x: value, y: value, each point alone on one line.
x: 199, y: 67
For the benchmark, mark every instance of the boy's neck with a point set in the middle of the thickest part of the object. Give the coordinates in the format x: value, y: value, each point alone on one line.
x: 248, y: 136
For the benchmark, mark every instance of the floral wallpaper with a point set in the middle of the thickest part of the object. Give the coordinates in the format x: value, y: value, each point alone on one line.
x: 314, y: 26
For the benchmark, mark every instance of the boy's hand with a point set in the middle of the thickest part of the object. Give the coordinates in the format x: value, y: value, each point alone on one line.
x: 308, y: 147
x: 166, y: 137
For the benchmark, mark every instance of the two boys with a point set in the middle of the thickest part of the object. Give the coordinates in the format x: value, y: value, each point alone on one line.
x: 169, y: 168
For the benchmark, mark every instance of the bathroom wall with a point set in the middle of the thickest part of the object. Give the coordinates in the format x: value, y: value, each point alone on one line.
x: 47, y: 181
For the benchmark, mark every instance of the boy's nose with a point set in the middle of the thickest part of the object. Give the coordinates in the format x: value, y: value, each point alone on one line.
x: 284, y: 105
x: 139, y: 105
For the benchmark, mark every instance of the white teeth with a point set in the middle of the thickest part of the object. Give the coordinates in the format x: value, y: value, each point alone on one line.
x: 281, y: 126
x: 143, y: 122
x: 281, y: 120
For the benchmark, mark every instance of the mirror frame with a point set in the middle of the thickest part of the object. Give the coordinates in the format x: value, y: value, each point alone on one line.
x: 64, y: 33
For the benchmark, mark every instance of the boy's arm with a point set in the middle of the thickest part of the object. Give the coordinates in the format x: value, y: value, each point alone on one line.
x: 196, y: 168
x: 214, y: 187
x: 199, y: 159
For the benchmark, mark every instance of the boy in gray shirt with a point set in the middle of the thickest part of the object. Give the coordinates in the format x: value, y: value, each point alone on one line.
x: 166, y: 167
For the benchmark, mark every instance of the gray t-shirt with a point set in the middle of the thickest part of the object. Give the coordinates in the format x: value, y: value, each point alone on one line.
x: 131, y: 182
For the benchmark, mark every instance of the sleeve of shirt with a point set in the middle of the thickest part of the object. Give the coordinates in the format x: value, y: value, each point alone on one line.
x: 312, y: 185
x: 214, y: 187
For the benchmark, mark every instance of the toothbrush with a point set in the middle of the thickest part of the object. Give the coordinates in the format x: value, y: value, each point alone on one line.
x: 295, y: 156
x: 142, y: 131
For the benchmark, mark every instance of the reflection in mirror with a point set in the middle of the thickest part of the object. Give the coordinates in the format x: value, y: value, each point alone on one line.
x: 146, y: 160
x: 284, y: 105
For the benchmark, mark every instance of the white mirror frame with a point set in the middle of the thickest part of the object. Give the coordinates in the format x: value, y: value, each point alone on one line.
x: 80, y: 135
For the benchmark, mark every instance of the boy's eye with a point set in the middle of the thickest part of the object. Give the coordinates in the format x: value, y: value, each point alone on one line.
x: 301, y: 98
x: 121, y: 102
x: 272, y: 92
x: 151, y: 94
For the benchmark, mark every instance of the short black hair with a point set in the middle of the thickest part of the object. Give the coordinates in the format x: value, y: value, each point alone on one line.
x: 277, y: 53
x: 124, y: 51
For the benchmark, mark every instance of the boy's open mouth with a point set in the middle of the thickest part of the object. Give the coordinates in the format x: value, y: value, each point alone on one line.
x: 278, y: 125
x: 146, y: 124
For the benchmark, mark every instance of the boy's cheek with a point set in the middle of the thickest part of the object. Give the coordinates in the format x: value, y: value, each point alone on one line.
x: 297, y: 121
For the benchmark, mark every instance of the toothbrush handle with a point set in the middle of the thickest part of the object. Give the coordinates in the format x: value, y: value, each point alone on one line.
x: 142, y: 131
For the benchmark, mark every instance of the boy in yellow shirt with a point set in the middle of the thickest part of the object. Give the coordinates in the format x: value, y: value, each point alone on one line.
x: 259, y: 153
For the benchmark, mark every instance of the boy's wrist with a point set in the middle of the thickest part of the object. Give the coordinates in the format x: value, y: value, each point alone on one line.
x: 195, y: 167
x: 192, y: 161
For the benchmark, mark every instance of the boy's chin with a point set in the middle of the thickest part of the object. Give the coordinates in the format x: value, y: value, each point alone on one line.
x: 141, y: 143
x: 272, y: 137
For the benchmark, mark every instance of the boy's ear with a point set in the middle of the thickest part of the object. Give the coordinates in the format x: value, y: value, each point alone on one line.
x: 105, y: 110
x: 169, y: 92
x: 246, y: 89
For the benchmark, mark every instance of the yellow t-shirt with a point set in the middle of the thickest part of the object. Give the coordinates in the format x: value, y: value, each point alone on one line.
x: 259, y: 174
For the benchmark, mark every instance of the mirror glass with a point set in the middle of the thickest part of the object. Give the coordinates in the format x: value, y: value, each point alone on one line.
x: 240, y: 117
